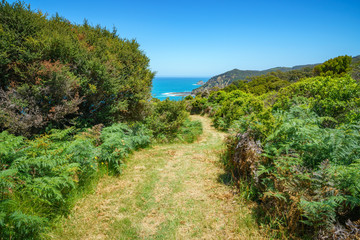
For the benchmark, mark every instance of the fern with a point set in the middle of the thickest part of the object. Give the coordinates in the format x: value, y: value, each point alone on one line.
x: 118, y: 141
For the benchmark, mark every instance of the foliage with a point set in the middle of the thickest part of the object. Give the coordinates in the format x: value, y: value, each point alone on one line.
x: 334, y: 67
x: 166, y: 118
x: 305, y: 175
x: 119, y: 140
x: 56, y: 74
x: 294, y: 146
x: 272, y: 81
x: 198, y: 105
x: 302, y: 167
x: 39, y: 177
x: 335, y: 97
x: 235, y: 110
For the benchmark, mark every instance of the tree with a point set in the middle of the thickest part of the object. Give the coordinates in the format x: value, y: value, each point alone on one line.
x: 335, y: 67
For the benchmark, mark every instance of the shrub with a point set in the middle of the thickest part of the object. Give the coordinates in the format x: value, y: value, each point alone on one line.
x: 57, y: 74
x: 335, y: 67
x: 337, y: 97
x: 166, y: 119
x: 297, y: 156
x: 305, y: 172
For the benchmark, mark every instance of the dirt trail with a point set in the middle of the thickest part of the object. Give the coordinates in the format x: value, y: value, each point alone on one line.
x: 171, y: 191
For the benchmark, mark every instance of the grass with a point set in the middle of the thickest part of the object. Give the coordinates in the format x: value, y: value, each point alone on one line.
x: 170, y: 191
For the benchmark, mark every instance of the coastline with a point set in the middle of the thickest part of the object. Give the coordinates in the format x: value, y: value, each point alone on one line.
x: 174, y: 88
x: 178, y: 94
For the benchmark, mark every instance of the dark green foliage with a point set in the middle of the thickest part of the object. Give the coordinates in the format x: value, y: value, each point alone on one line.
x: 263, y: 84
x: 54, y: 73
x: 235, y: 110
x: 198, y: 105
x: 302, y: 165
x: 334, y: 67
x: 166, y: 119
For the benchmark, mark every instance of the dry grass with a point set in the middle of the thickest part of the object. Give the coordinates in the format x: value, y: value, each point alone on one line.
x: 166, y: 192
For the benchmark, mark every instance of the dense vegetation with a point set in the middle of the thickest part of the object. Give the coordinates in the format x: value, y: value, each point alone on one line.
x: 39, y: 177
x: 54, y: 73
x: 75, y: 101
x: 294, y: 147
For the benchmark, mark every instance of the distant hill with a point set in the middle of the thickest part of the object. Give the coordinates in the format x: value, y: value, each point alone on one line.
x: 224, y: 79
x: 356, y: 59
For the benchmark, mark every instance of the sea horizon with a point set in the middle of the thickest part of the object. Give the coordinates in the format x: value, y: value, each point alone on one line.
x: 170, y: 87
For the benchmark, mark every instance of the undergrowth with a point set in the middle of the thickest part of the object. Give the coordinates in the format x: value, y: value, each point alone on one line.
x: 295, y: 152
x: 40, y: 177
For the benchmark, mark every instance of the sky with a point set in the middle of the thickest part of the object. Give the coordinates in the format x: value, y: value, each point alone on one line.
x: 204, y: 38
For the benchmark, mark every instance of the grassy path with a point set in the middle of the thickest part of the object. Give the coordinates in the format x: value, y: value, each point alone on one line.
x: 171, y: 191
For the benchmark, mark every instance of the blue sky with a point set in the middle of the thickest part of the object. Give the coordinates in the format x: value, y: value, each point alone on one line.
x: 205, y: 38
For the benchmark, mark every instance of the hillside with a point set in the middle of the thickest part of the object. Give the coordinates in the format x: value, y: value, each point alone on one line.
x: 293, y: 147
x: 224, y: 79
x: 356, y: 59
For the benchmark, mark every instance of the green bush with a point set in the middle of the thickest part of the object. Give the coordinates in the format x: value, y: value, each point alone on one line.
x: 39, y: 176
x: 296, y: 151
x: 303, y: 165
x: 166, y: 118
x: 336, y: 97
x: 55, y: 74
x: 198, y: 105
x: 335, y: 67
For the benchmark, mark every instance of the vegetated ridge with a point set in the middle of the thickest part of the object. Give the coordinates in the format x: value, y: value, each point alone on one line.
x: 225, y: 79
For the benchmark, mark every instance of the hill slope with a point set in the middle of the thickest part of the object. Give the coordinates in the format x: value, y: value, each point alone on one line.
x: 224, y: 79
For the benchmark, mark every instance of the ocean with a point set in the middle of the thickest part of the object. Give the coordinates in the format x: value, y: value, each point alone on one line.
x: 164, y: 87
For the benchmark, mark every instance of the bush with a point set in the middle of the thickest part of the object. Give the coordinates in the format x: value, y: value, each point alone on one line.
x: 305, y: 172
x: 166, y: 119
x: 39, y: 176
x: 337, y: 97
x: 55, y: 74
x: 295, y: 152
x: 335, y: 67
x: 198, y: 105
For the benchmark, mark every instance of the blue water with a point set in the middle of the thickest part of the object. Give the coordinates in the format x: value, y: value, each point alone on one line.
x: 164, y: 86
